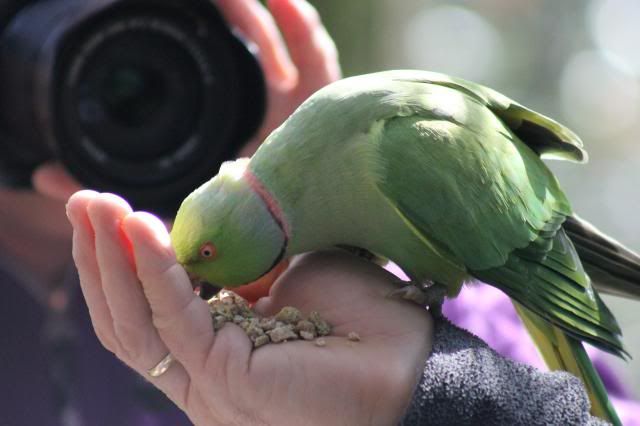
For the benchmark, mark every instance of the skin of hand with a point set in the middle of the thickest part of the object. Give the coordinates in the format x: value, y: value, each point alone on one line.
x: 142, y: 307
x: 297, y: 57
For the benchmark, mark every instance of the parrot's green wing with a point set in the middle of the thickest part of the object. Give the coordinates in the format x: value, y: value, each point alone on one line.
x: 464, y: 180
x: 547, y: 137
x: 463, y: 167
x: 462, y: 177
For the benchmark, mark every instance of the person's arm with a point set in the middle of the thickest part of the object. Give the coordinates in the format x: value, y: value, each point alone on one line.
x: 466, y: 382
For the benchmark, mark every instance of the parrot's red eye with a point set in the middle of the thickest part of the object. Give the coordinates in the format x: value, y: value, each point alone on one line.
x: 208, y: 251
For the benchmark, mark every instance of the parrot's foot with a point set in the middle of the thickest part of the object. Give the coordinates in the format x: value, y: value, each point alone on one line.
x: 429, y: 295
x: 411, y: 293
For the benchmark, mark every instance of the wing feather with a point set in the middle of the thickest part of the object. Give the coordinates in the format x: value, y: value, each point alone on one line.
x: 458, y: 174
x: 547, y: 137
x: 466, y: 181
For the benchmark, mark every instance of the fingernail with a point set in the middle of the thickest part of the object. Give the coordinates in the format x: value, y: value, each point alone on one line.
x: 68, y: 213
x: 159, y: 231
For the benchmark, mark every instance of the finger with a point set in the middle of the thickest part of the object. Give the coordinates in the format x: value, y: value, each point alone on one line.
x: 260, y: 288
x: 345, y: 288
x: 316, y: 281
x: 182, y: 319
x: 140, y: 344
x: 52, y: 180
x: 84, y: 255
x: 311, y: 48
x: 256, y: 23
x: 175, y: 381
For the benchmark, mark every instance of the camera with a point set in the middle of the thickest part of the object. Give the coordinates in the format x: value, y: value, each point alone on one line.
x: 143, y: 98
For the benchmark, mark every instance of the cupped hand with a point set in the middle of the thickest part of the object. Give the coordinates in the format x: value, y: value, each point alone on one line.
x: 142, y: 307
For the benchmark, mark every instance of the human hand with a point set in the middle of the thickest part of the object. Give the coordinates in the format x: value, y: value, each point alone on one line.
x: 294, y: 68
x: 142, y: 307
x: 297, y: 60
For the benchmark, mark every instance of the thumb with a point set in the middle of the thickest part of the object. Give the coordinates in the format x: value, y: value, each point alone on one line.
x: 52, y: 180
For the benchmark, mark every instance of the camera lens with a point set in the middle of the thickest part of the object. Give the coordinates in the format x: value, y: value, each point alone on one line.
x: 135, y: 107
x: 130, y: 95
x: 144, y: 98
x: 144, y: 102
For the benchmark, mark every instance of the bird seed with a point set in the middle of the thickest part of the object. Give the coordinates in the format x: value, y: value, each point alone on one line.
x: 287, y: 325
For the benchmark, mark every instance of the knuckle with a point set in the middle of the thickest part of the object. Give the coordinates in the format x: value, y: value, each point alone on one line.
x: 80, y: 254
x: 169, y: 320
x: 106, y: 339
x: 179, y: 319
x: 132, y: 343
x: 163, y: 264
x: 311, y: 14
x: 330, y: 47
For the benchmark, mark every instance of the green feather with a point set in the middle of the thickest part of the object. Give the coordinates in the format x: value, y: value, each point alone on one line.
x: 545, y: 289
x: 464, y: 180
x: 544, y: 135
x: 562, y: 352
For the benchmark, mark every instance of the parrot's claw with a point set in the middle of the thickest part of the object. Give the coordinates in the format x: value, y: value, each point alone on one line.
x: 409, y: 292
x: 431, y: 295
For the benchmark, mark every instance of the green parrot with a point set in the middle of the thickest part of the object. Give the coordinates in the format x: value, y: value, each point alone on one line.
x: 439, y: 175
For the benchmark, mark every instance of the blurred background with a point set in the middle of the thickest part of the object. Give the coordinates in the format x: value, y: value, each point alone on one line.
x: 574, y: 60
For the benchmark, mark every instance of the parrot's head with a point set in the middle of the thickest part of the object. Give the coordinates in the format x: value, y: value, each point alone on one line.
x: 224, y: 233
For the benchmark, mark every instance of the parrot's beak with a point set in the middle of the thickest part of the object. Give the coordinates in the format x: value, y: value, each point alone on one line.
x: 196, y: 281
x: 204, y: 289
x: 260, y: 288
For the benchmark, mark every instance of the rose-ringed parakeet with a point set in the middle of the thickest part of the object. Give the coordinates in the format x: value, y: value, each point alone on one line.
x: 441, y: 176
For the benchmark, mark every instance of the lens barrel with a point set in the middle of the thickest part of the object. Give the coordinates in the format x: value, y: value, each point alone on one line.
x: 144, y: 98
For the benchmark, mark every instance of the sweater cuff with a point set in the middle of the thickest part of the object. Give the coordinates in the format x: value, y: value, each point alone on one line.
x: 467, y: 382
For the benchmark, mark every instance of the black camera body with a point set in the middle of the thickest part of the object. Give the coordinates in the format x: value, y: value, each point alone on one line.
x: 143, y: 98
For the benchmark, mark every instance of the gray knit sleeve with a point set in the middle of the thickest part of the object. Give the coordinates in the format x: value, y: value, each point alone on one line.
x: 467, y: 383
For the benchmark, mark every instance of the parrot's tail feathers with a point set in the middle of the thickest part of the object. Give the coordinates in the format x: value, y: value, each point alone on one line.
x: 562, y: 352
x: 557, y: 288
x: 613, y: 268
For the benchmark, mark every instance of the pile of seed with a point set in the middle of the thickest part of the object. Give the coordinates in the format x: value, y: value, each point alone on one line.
x: 288, y: 324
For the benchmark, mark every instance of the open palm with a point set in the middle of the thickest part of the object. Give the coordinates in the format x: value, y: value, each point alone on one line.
x: 142, y: 307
